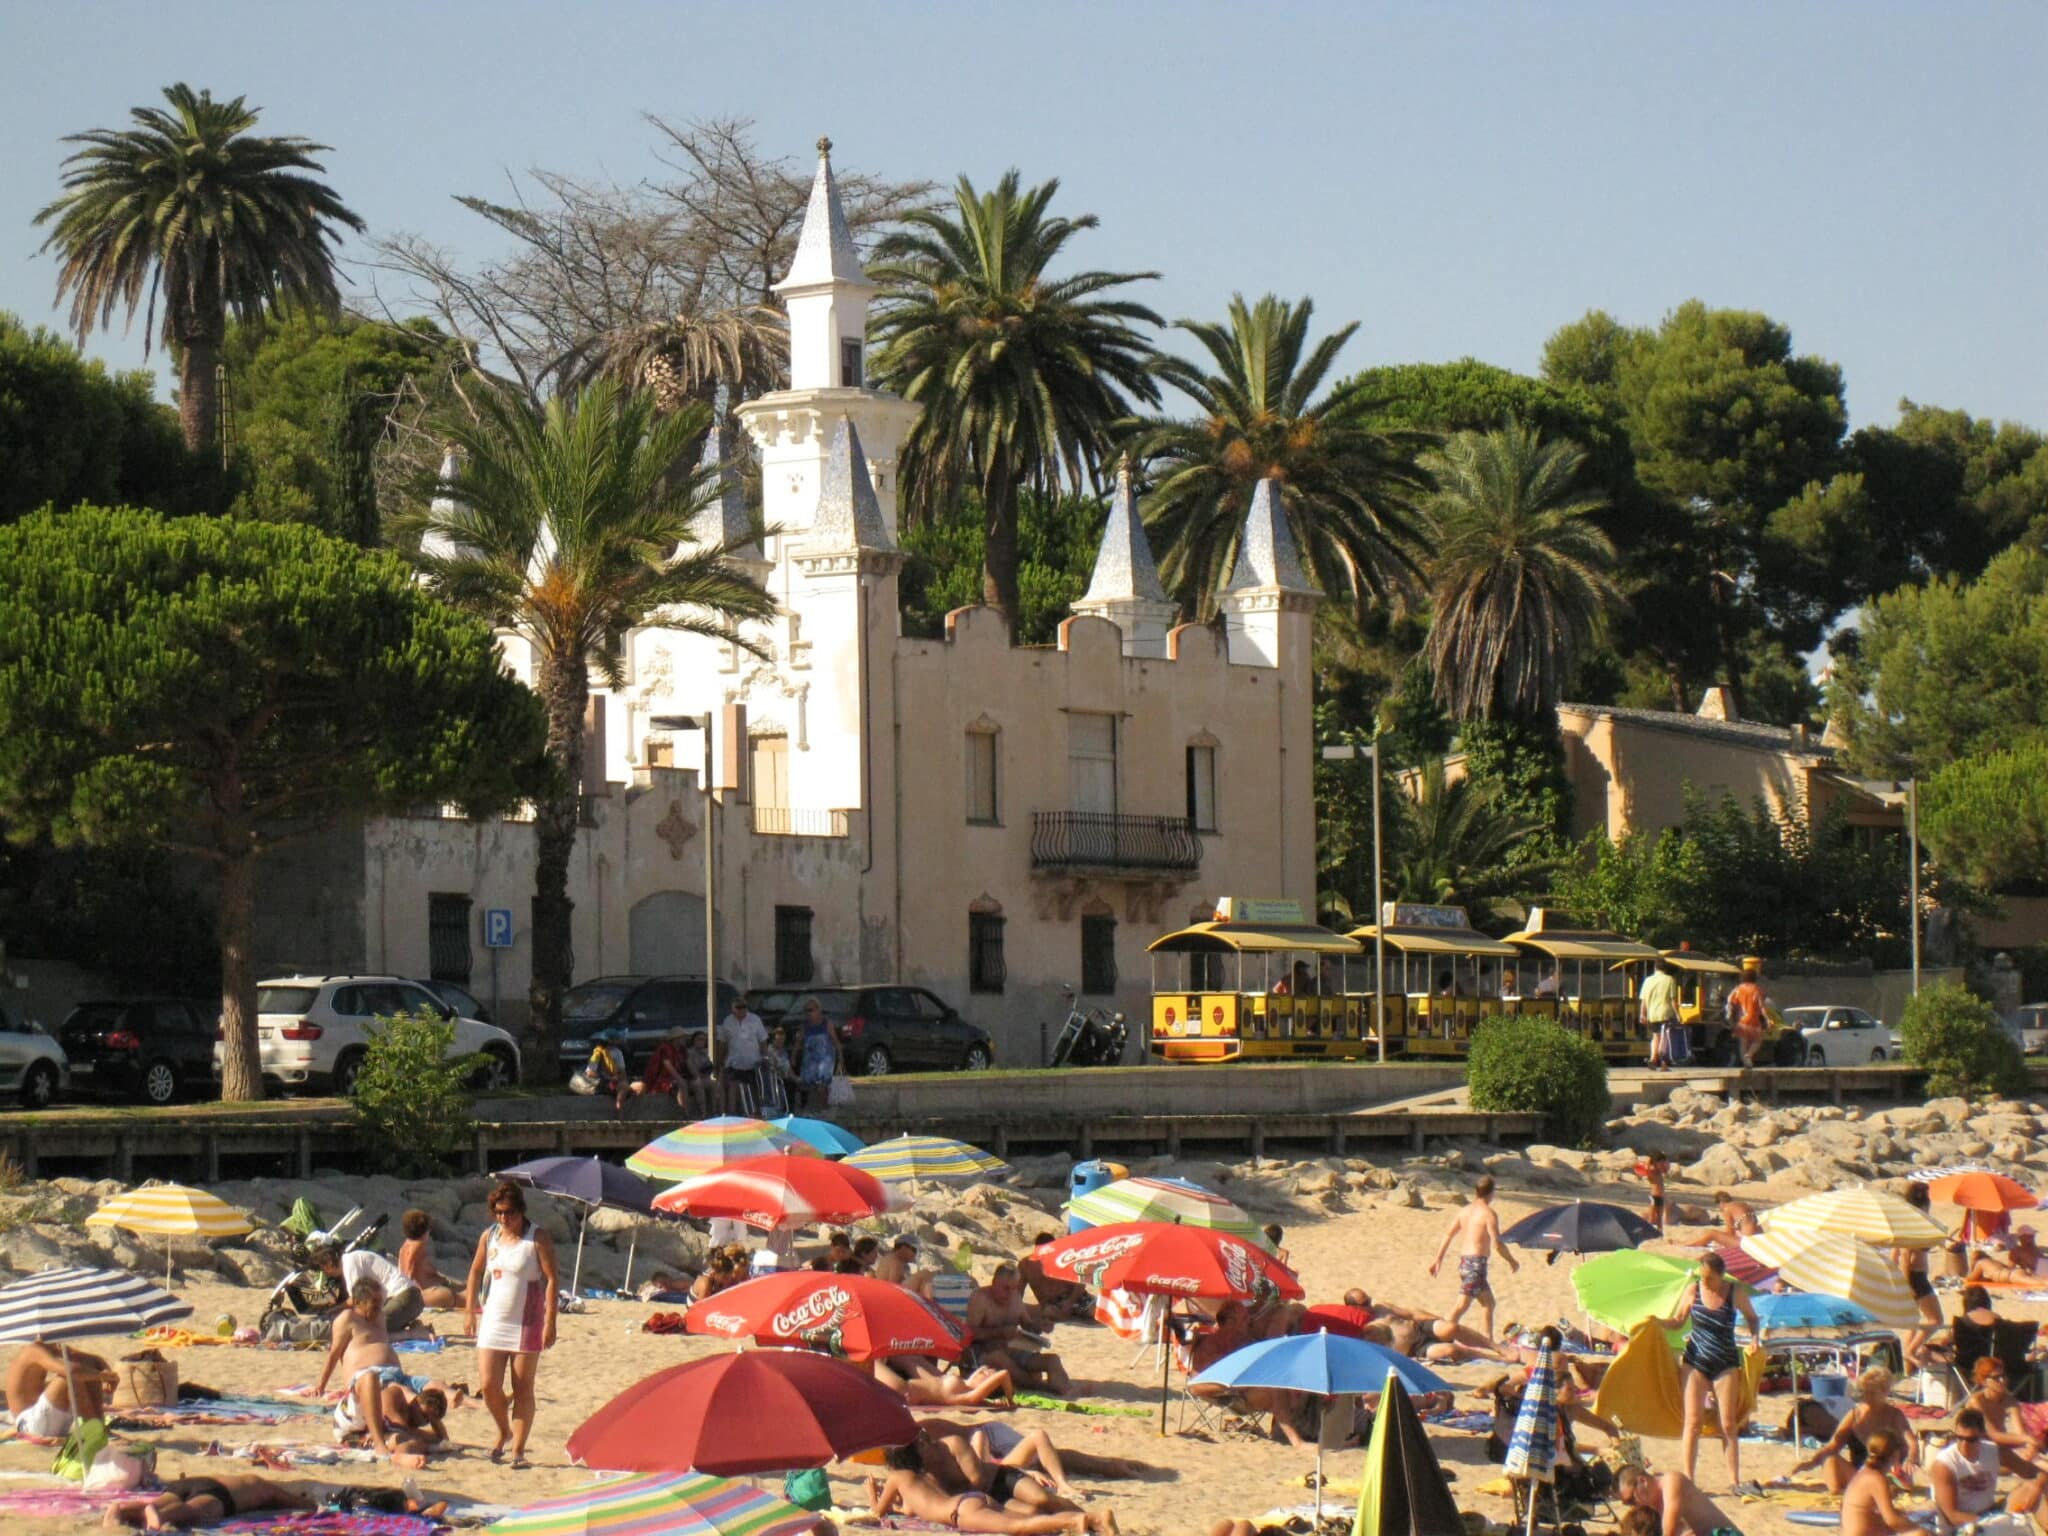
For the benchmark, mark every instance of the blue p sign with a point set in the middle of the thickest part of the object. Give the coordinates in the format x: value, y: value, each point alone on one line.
x: 497, y: 927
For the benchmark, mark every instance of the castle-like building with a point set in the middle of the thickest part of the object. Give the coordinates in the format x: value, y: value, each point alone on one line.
x: 987, y: 821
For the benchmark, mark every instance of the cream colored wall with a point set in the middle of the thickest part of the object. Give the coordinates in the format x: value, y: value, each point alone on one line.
x: 1631, y: 777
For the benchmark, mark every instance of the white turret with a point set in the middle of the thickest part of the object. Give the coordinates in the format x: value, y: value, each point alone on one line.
x: 826, y: 292
x: 1125, y: 587
x: 1269, y: 602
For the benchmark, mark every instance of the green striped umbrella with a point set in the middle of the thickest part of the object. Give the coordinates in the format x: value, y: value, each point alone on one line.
x: 1174, y: 1201
x: 690, y: 1504
x: 906, y: 1159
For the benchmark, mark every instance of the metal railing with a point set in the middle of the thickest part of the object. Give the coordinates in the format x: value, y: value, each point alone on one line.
x: 787, y: 821
x: 1077, y: 840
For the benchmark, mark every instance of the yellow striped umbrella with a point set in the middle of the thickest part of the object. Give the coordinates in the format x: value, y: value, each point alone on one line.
x: 1867, y: 1214
x: 1829, y: 1264
x: 175, y: 1210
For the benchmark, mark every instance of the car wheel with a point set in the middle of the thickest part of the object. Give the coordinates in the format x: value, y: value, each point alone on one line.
x: 1816, y: 1057
x: 346, y: 1071
x: 159, y: 1083
x: 1877, y: 1056
x: 39, y: 1085
x: 977, y: 1059
x: 495, y: 1071
x: 874, y: 1062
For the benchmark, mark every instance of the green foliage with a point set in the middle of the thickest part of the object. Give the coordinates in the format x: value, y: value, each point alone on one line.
x: 1986, y: 818
x: 1462, y: 844
x: 72, y: 432
x: 1056, y: 544
x: 1780, y: 887
x: 1956, y: 1036
x: 411, y: 1097
x: 1651, y: 887
x: 1527, y: 1064
x: 1524, y: 763
x: 128, y: 912
x: 1949, y: 670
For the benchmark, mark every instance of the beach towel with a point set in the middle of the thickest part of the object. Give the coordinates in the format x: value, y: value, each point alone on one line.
x: 219, y: 1410
x: 323, y: 1523
x: 58, y: 1503
x: 1061, y: 1405
x: 1642, y: 1391
x: 870, y: 1520
x: 427, y: 1346
x: 1473, y: 1421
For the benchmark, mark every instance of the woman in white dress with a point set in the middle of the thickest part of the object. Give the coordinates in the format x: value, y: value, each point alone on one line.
x: 517, y: 1260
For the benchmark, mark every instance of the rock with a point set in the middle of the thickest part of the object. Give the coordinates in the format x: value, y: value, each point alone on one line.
x: 1819, y: 1173
x: 1454, y: 1159
x: 2012, y: 1150
x: 1405, y: 1196
x: 1721, y: 1165
x: 1911, y: 1118
x: 1575, y: 1158
x: 251, y: 1266
x: 1974, y: 1147
x: 29, y: 1250
x: 1319, y: 1182
x: 1765, y: 1132
x: 1954, y: 1113
x: 1769, y: 1160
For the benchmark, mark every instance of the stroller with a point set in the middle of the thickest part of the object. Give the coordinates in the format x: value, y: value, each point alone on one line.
x: 303, y: 1303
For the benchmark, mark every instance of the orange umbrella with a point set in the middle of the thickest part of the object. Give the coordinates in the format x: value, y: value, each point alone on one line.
x: 1982, y: 1191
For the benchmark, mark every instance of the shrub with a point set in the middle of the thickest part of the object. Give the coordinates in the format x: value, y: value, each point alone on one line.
x: 412, y: 1097
x: 1956, y: 1036
x: 1533, y: 1065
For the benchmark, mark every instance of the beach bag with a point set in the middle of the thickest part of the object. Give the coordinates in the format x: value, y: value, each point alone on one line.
x: 81, y: 1448
x: 116, y: 1471
x: 840, y: 1094
x: 142, y: 1382
x: 809, y: 1489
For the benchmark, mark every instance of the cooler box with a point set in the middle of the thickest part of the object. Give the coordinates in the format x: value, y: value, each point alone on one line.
x: 1088, y: 1177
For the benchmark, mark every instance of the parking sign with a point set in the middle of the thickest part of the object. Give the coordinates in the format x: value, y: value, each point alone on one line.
x: 497, y: 927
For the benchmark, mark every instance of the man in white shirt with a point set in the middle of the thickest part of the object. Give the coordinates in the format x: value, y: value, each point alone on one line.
x: 742, y: 1038
x: 402, y: 1299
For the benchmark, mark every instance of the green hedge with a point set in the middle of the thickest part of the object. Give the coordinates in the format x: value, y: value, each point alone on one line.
x: 1956, y: 1036
x: 1532, y: 1065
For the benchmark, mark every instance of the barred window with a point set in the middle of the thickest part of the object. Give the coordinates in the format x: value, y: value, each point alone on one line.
x: 1098, y: 954
x: 985, y: 969
x: 448, y: 936
x: 793, y: 962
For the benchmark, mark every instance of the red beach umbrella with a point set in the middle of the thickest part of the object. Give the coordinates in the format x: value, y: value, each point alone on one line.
x: 1161, y: 1259
x: 1982, y: 1191
x: 1330, y: 1317
x: 856, y: 1317
x: 760, y: 1411
x: 779, y: 1191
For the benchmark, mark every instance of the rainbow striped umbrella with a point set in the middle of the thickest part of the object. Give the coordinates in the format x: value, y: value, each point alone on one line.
x: 907, y: 1159
x: 172, y: 1210
x: 1174, y: 1201
x: 689, y: 1504
x: 703, y: 1145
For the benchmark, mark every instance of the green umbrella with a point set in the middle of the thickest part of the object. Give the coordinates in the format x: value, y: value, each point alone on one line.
x: 1403, y: 1492
x: 1622, y: 1288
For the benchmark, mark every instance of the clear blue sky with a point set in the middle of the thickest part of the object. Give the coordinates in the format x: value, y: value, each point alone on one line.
x: 1461, y: 178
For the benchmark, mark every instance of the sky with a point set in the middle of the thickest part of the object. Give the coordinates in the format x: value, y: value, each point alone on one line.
x: 1462, y: 179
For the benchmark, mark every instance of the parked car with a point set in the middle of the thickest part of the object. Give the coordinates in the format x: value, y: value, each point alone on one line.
x: 885, y: 1029
x: 2029, y: 1027
x: 33, y: 1066
x: 644, y: 1008
x: 461, y: 999
x: 312, y: 1031
x: 148, y: 1049
x: 1840, y: 1037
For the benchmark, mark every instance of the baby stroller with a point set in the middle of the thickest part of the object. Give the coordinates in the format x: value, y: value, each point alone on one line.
x: 304, y: 1302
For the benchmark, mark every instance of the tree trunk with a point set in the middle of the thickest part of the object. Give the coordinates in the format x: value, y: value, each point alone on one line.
x: 565, y: 691
x: 999, y: 555
x: 199, y: 393
x: 241, y: 1066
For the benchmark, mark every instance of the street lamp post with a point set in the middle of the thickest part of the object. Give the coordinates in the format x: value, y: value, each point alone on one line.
x: 703, y: 723
x: 1913, y: 873
x: 1350, y: 753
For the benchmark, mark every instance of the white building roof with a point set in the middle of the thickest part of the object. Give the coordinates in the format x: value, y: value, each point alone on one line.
x: 825, y: 251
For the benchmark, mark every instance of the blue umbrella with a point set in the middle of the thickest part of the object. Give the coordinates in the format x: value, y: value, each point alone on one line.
x: 1532, y: 1449
x: 591, y: 1182
x: 832, y: 1140
x: 1798, y: 1309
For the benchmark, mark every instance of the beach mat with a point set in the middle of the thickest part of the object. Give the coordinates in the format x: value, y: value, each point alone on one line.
x: 59, y: 1503
x: 322, y: 1523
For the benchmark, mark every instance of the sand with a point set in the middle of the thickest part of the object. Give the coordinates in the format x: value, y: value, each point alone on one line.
x: 1368, y: 1243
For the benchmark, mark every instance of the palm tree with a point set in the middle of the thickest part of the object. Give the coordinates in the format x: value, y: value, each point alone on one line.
x: 1022, y: 376
x: 571, y: 526
x: 215, y: 220
x: 1519, y: 579
x: 1257, y: 415
x: 1457, y: 844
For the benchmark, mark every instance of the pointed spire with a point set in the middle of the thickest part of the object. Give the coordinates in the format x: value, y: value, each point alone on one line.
x: 825, y: 251
x: 849, y: 514
x: 1267, y: 557
x: 724, y: 519
x: 1124, y: 567
x: 434, y: 543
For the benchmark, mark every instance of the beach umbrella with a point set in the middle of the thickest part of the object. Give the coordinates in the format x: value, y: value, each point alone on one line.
x: 829, y: 1139
x: 1621, y: 1289
x: 1168, y: 1200
x: 1322, y: 1365
x: 1741, y: 1267
x: 1983, y: 1191
x: 171, y: 1210
x: 591, y: 1182
x: 1583, y: 1226
x: 704, y: 1145
x: 856, y: 1317
x: 782, y: 1190
x: 761, y: 1410
x: 1402, y: 1491
x: 1870, y: 1215
x: 910, y: 1159
x: 690, y: 1504
x: 1801, y: 1309
x: 1532, y: 1448
x: 1829, y: 1264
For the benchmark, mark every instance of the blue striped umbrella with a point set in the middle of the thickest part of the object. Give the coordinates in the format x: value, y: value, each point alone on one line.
x: 1532, y: 1449
x: 78, y: 1303
x: 832, y: 1140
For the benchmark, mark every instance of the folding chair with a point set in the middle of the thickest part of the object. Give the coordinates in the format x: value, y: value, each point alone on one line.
x: 950, y: 1293
x: 2012, y: 1345
x: 1207, y: 1413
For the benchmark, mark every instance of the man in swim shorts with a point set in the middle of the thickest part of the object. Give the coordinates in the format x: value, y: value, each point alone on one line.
x: 1476, y: 1231
x: 40, y: 1382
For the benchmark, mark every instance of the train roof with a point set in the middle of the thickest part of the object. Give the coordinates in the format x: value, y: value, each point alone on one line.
x: 1254, y: 938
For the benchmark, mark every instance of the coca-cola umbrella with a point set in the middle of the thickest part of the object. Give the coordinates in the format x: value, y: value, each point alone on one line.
x: 778, y: 1191
x: 761, y: 1410
x: 1160, y: 1259
x: 854, y: 1316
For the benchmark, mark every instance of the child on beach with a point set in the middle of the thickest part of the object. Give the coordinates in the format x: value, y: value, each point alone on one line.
x: 1652, y: 1170
x: 416, y: 1261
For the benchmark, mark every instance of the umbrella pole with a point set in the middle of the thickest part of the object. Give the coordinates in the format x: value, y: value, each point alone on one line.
x: 632, y: 1247
x: 1319, y: 1481
x: 167, y: 1261
x: 1165, y: 1364
x: 576, y: 1281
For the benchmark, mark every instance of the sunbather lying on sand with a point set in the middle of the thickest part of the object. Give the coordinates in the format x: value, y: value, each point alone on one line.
x: 924, y: 1385
x: 1033, y: 1450
x: 910, y: 1489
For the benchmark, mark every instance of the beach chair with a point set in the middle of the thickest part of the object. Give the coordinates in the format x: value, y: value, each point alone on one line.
x: 1197, y: 1414
x: 950, y: 1293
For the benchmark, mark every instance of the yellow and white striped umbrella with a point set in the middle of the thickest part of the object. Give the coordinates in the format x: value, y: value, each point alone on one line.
x: 1869, y: 1215
x: 174, y: 1210
x: 1829, y: 1264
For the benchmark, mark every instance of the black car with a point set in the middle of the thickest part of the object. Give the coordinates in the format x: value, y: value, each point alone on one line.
x: 148, y: 1049
x: 884, y: 1029
x: 645, y: 1008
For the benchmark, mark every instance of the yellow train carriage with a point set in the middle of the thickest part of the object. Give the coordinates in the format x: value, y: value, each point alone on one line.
x: 1587, y: 971
x: 1260, y: 983
x: 1443, y: 977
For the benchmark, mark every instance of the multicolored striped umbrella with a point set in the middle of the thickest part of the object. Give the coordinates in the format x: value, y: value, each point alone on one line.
x: 908, y: 1159
x: 1169, y: 1200
x: 692, y: 1504
x: 1869, y: 1215
x: 1829, y: 1264
x: 173, y: 1210
x: 832, y: 1140
x: 704, y: 1145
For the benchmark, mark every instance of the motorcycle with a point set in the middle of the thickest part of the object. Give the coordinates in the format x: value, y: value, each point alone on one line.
x: 299, y: 1309
x: 1090, y: 1037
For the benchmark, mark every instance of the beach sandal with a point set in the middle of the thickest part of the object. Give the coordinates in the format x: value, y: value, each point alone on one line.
x: 521, y: 1464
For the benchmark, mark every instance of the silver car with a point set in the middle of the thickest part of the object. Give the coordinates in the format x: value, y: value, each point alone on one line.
x: 1840, y: 1037
x: 2029, y: 1026
x: 33, y: 1066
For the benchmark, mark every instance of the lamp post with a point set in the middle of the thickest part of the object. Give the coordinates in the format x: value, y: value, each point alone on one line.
x: 1913, y: 873
x: 703, y: 723
x: 1349, y: 753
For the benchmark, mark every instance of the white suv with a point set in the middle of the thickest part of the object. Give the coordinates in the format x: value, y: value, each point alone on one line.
x: 315, y: 1029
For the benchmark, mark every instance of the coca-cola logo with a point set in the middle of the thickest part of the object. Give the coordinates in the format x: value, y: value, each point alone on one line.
x: 1184, y: 1283
x: 765, y: 1220
x: 1238, y: 1272
x: 818, y: 1307
x: 1105, y: 1251
x: 725, y: 1322
x: 916, y: 1346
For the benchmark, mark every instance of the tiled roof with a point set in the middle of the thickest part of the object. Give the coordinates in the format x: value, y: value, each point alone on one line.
x: 1743, y: 733
x: 1124, y: 567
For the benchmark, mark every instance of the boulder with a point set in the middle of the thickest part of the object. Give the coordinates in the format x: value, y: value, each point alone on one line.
x: 1721, y: 1165
x: 1973, y: 1147
x: 1319, y: 1181
x: 251, y: 1266
x: 1405, y: 1196
x: 1955, y: 1113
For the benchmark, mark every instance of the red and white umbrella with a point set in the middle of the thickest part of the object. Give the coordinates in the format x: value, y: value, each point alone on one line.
x: 1161, y: 1259
x: 778, y: 1191
x: 854, y: 1316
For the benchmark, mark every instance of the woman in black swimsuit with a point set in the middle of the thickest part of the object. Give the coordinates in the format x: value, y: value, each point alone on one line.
x: 1912, y: 1264
x: 190, y: 1501
x: 1712, y: 1359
